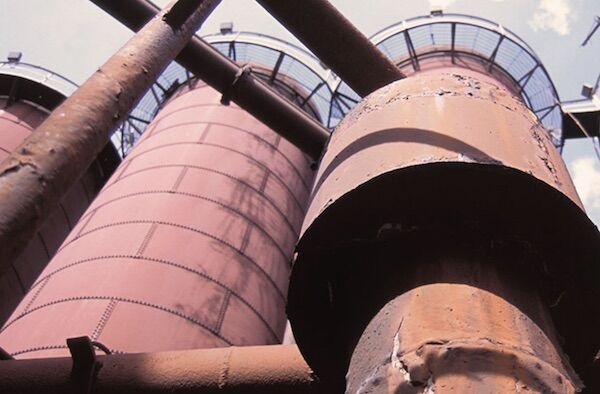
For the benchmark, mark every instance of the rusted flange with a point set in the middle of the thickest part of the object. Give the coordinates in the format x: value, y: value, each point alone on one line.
x: 85, y: 365
x: 427, y: 162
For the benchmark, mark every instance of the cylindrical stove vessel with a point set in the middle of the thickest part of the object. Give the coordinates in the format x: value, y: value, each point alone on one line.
x: 24, y: 104
x: 445, y: 164
x: 467, y: 324
x: 187, y: 246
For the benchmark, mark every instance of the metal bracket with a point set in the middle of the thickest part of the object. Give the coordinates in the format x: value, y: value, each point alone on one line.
x: 4, y: 355
x: 241, y: 74
x: 13, y: 95
x: 181, y: 12
x: 85, y: 365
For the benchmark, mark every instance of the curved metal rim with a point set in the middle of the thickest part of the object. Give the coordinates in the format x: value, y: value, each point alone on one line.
x: 502, y: 33
x: 476, y: 21
x: 325, y: 76
x: 462, y: 19
x: 108, y: 158
x: 478, y: 57
x: 46, y: 77
x: 291, y: 50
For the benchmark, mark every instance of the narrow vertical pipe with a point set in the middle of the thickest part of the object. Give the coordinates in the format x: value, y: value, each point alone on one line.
x: 49, y: 162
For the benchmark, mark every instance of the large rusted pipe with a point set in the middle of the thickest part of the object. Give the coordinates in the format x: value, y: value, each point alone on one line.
x: 336, y: 42
x: 234, y: 370
x: 469, y: 325
x: 218, y: 71
x: 445, y: 166
x: 55, y: 156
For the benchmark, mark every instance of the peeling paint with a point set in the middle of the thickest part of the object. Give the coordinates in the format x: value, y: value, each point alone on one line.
x: 18, y: 166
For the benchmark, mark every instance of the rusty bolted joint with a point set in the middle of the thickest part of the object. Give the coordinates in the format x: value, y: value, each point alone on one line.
x: 240, y: 75
x: 180, y: 13
x: 85, y: 365
x: 4, y: 355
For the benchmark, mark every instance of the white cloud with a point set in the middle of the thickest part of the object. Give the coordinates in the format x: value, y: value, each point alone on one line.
x: 553, y: 15
x: 586, y: 176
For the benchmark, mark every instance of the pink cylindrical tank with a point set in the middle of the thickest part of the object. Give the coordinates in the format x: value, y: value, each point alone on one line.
x: 187, y: 246
x: 25, y: 105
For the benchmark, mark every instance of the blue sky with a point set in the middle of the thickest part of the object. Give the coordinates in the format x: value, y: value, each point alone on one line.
x: 74, y: 37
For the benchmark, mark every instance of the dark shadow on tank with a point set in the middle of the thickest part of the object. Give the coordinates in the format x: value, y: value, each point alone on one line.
x: 405, y: 135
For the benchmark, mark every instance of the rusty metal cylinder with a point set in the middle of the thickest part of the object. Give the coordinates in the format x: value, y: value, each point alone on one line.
x: 235, y: 370
x: 187, y: 246
x: 17, y: 121
x: 311, y: 20
x: 469, y: 327
x: 445, y: 157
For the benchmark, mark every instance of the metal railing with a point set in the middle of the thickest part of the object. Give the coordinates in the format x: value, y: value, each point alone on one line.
x: 417, y: 38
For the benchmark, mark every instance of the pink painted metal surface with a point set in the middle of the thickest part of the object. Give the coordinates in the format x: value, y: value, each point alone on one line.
x: 17, y: 121
x: 51, y: 160
x: 187, y: 246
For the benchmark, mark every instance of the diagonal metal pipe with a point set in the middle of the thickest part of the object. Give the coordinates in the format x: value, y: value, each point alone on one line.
x: 227, y: 77
x: 42, y: 169
x: 336, y: 42
x: 249, y: 369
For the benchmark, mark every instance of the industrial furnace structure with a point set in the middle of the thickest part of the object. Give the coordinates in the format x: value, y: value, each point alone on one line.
x: 412, y: 200
x: 28, y: 94
x: 205, y: 186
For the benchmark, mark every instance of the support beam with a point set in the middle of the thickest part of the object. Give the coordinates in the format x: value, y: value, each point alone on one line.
x: 495, y: 52
x: 13, y: 95
x: 232, y: 54
x: 250, y: 93
x: 276, y: 68
x: 414, y: 59
x: 336, y: 42
x: 545, y: 111
x: 453, y: 44
x: 250, y: 369
x: 524, y: 80
x: 38, y: 173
